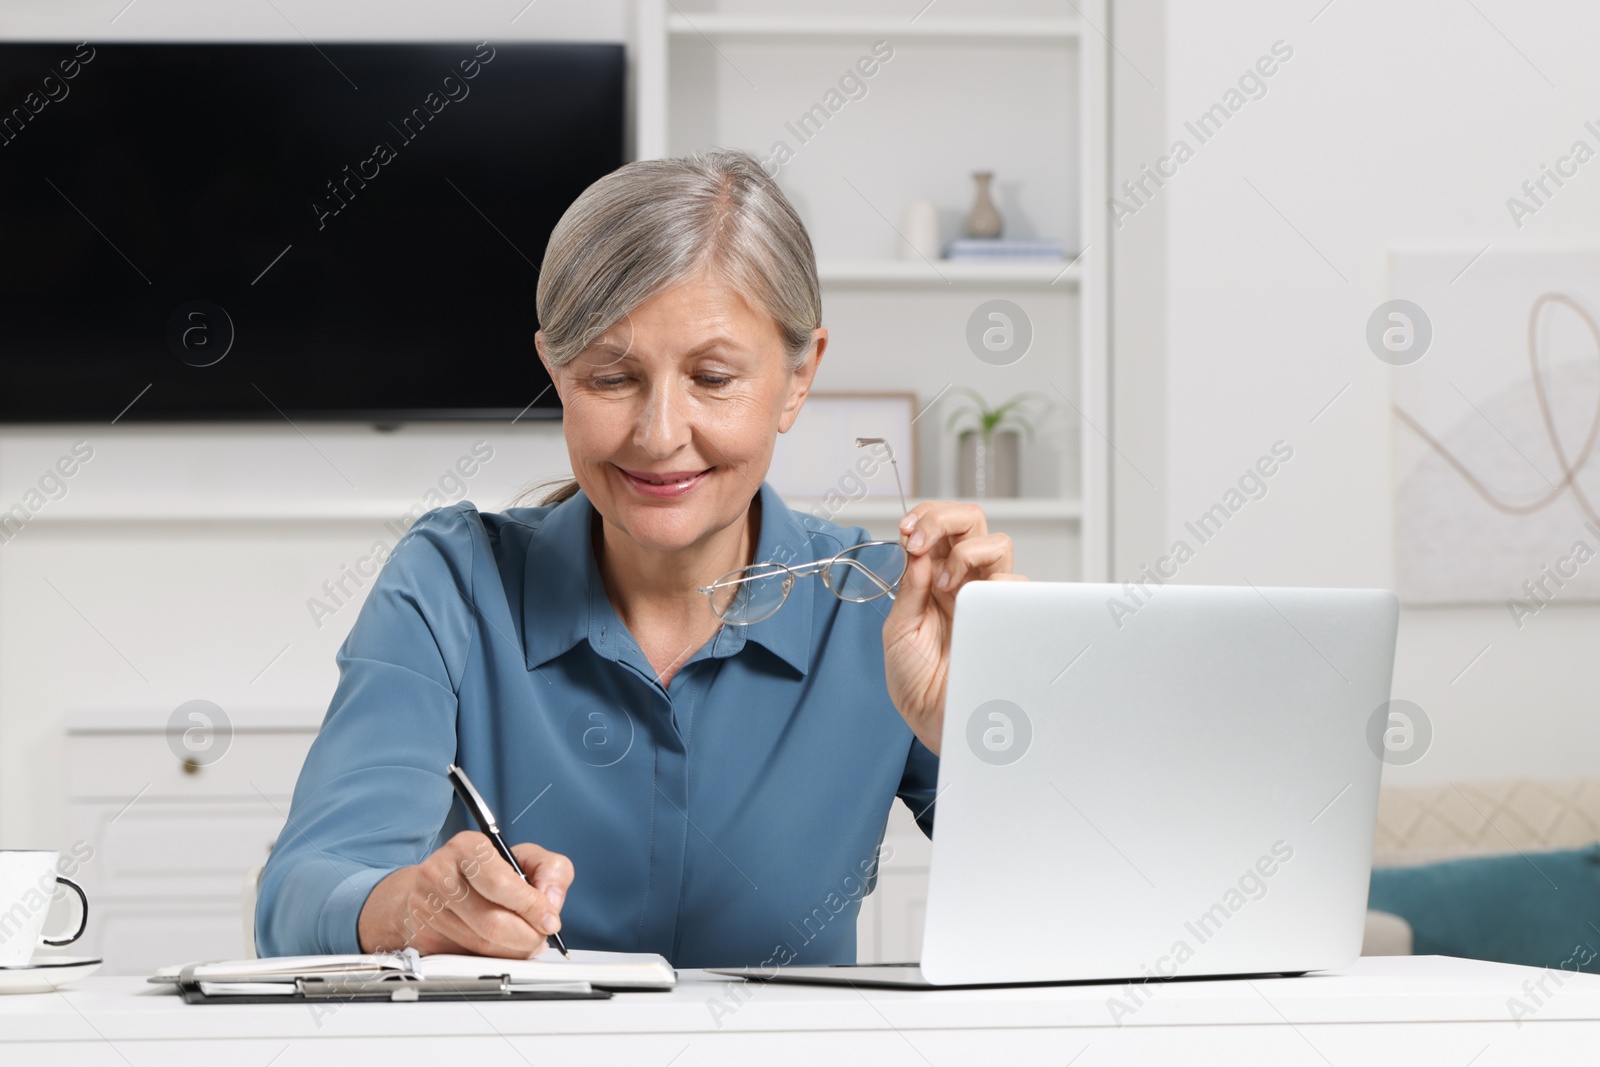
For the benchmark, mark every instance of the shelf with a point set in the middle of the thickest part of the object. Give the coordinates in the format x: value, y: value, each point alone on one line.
x: 1006, y: 509
x: 142, y: 719
x: 1028, y: 30
x: 1063, y: 275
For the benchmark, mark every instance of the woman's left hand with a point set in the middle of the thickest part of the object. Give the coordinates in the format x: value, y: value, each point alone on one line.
x: 947, y: 545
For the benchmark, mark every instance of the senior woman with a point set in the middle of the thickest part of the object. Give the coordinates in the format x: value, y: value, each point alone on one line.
x: 670, y: 780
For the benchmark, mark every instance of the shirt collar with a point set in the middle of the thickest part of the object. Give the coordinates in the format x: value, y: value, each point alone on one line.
x: 564, y: 598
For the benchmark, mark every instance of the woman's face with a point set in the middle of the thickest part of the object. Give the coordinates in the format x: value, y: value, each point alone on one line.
x: 690, y: 390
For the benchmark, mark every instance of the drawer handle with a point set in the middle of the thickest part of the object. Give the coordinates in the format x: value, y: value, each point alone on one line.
x: 191, y: 767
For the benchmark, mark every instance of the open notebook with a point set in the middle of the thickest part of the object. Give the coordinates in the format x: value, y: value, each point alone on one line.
x: 272, y: 974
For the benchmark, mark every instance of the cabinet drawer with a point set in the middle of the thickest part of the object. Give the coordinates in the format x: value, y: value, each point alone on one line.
x: 174, y: 850
x: 130, y: 764
x: 902, y: 907
x: 136, y: 937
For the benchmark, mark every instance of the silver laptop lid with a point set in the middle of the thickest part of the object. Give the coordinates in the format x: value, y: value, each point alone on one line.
x: 1172, y: 781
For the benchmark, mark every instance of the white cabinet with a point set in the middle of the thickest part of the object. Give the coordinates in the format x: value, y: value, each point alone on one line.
x: 137, y: 936
x: 890, y: 927
x: 164, y: 843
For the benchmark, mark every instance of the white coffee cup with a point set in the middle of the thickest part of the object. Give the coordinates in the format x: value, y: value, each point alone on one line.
x: 28, y: 882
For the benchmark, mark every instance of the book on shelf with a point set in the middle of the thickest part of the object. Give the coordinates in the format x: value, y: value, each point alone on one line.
x: 990, y: 248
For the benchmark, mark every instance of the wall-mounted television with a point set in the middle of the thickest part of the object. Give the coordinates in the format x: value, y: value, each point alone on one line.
x: 225, y: 231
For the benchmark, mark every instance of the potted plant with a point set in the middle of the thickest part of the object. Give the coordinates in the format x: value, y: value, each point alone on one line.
x: 988, y: 449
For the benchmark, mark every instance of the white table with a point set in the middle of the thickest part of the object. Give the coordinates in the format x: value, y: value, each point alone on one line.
x: 1384, y: 1009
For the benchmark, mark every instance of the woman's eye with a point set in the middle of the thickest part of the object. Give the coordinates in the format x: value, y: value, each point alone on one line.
x: 714, y: 381
x: 608, y: 383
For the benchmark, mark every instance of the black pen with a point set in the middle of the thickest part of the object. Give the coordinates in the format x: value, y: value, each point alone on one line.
x: 485, y: 818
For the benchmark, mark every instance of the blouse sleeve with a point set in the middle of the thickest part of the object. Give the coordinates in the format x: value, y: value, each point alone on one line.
x: 919, y: 783
x: 372, y: 796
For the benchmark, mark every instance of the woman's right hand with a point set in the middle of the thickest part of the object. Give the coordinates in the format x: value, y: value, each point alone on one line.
x: 466, y: 899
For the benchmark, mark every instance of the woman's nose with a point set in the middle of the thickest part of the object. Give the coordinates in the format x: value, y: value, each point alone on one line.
x: 663, y: 424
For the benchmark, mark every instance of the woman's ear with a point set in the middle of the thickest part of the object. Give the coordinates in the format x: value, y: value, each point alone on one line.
x: 800, y: 381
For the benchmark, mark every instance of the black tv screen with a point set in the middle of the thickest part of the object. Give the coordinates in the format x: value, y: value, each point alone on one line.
x: 253, y: 231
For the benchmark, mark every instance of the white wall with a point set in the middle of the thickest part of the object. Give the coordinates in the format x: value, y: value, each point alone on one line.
x: 1138, y: 292
x: 1392, y: 125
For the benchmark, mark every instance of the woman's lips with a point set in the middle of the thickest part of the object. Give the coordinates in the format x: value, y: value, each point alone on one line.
x: 677, y: 483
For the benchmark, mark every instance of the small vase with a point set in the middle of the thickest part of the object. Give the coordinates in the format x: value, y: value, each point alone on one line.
x: 988, y: 468
x: 984, y: 219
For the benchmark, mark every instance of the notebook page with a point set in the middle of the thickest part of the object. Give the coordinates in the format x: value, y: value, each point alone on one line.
x: 287, y: 968
x: 642, y: 970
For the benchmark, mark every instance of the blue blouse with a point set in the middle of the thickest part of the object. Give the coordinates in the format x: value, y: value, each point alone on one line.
x: 732, y: 818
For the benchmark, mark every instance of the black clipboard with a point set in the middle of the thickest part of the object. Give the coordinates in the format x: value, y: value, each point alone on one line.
x: 342, y: 989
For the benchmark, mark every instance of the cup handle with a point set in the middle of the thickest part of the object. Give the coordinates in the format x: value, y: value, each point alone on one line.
x: 83, y: 918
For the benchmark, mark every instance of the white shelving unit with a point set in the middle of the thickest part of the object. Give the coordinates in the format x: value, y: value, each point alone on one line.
x: 731, y: 77
x: 1019, y: 508
x: 1010, y: 274
x: 960, y: 94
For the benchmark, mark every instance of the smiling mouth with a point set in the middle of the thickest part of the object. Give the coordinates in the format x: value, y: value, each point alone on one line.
x: 665, y: 480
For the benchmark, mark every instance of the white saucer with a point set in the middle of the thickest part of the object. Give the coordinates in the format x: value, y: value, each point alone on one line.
x: 45, y: 973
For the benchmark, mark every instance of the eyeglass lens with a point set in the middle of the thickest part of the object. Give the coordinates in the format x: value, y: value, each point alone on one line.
x: 758, y: 595
x: 866, y: 572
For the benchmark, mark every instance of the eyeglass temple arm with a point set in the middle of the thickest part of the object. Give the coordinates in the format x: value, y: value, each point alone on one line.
x: 790, y: 573
x: 879, y: 582
x: 880, y: 441
x: 862, y: 567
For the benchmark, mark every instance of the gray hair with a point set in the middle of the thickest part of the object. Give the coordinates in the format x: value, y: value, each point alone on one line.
x: 654, y: 223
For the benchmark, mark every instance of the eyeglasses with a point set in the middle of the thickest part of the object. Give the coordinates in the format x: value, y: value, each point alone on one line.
x: 862, y: 572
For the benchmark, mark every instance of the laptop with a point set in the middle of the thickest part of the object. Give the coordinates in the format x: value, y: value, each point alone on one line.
x: 1150, y: 782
